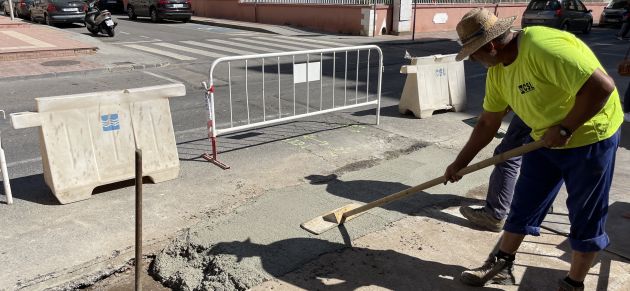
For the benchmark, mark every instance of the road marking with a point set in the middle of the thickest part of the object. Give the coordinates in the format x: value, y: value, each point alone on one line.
x: 292, y: 42
x: 144, y: 36
x: 16, y: 163
x: 243, y: 45
x: 132, y: 42
x: 304, y: 39
x: 124, y: 32
x: 221, y: 48
x: 272, y: 45
x: 190, y: 50
x: 27, y: 39
x: 160, y: 52
x: 161, y: 77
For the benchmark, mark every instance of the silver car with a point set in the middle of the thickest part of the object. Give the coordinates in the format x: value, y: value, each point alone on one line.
x: 564, y: 14
x: 613, y: 13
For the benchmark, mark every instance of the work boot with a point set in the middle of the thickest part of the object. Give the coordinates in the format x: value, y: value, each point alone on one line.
x: 565, y: 286
x: 496, y: 271
x: 481, y: 218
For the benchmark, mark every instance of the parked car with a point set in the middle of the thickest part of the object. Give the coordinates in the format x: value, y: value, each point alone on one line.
x: 113, y: 6
x: 160, y: 9
x: 58, y: 11
x: 613, y: 13
x: 565, y: 14
x: 23, y: 8
x: 7, y: 9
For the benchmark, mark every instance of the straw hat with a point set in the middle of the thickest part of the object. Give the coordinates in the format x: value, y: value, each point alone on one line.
x: 477, y: 28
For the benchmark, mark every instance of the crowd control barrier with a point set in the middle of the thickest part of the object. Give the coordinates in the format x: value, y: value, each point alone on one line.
x: 88, y: 140
x: 433, y: 83
x: 330, y: 80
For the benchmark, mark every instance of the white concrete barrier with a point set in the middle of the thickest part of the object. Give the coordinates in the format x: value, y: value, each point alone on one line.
x: 88, y: 140
x: 433, y: 83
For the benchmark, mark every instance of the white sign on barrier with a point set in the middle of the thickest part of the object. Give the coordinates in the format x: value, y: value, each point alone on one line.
x: 299, y: 72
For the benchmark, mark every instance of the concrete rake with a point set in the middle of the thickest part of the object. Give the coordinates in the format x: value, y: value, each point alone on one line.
x: 334, y: 218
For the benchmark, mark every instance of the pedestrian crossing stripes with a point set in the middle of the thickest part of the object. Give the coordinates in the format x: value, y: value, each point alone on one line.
x: 221, y: 48
x: 189, y: 50
x: 292, y: 42
x: 160, y: 52
x: 303, y: 39
x: 244, y: 45
x: 267, y: 44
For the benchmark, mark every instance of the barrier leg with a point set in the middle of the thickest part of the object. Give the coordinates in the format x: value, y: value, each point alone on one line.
x: 213, y: 158
x: 5, y: 177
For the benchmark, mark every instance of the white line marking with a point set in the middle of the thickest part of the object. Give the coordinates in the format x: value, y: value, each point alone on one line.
x: 273, y: 45
x: 161, y: 77
x: 144, y: 36
x: 17, y: 163
x: 27, y: 39
x: 132, y: 42
x: 249, y: 46
x: 124, y: 32
x: 292, y: 42
x: 190, y: 50
x: 304, y: 39
x: 160, y: 52
x: 221, y: 48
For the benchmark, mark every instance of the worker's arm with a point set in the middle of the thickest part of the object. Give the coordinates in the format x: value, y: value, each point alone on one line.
x: 589, y: 100
x: 486, y: 128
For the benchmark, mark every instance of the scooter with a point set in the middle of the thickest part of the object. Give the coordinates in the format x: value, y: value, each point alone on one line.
x: 97, y: 20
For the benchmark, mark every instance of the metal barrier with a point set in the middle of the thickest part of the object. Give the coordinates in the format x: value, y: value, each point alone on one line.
x: 3, y: 169
x: 308, y: 72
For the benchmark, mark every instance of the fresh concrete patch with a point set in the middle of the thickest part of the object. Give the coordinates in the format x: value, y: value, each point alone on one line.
x: 263, y: 240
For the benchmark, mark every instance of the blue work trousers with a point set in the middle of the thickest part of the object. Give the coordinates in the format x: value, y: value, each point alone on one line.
x: 504, y: 175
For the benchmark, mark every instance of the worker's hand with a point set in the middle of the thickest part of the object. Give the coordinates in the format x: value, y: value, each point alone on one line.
x: 553, y: 138
x: 451, y: 172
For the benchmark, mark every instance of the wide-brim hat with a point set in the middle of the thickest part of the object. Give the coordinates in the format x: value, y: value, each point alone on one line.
x: 477, y: 28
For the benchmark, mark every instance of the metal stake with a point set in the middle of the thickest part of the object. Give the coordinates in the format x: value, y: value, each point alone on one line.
x: 138, y: 219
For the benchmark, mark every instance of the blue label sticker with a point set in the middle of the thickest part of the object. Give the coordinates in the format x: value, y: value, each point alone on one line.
x: 110, y: 122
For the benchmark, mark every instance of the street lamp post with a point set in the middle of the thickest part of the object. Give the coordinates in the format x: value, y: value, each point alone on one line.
x: 413, y: 29
x: 11, y: 8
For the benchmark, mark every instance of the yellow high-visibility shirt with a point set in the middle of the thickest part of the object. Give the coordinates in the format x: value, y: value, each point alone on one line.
x: 541, y: 84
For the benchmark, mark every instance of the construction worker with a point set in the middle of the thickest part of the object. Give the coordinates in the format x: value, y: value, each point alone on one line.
x: 558, y: 87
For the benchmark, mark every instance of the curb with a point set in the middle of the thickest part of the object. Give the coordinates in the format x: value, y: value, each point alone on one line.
x: 235, y: 26
x: 91, y: 72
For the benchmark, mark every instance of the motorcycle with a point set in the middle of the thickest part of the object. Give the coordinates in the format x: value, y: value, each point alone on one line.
x: 97, y: 20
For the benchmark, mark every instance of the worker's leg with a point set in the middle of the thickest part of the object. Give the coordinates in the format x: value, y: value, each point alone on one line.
x: 537, y: 187
x: 502, y: 181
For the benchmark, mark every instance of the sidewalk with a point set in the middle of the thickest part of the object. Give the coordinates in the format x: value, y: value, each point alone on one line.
x: 56, y: 52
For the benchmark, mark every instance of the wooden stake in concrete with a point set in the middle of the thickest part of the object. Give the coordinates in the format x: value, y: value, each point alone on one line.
x: 138, y: 220
x: 340, y: 215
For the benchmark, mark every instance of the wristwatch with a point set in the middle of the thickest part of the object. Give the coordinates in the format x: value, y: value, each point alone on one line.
x: 565, y: 132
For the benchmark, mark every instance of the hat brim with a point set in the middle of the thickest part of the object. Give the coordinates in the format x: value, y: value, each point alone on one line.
x: 501, y: 26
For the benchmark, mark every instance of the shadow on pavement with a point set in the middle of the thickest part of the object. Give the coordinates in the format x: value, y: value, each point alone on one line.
x: 368, y: 190
x: 352, y: 268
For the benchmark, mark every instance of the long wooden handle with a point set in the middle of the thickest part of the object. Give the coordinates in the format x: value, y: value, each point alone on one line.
x: 439, y: 180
